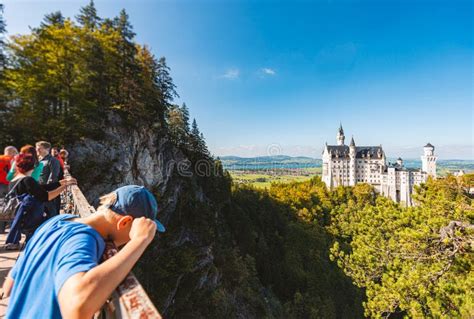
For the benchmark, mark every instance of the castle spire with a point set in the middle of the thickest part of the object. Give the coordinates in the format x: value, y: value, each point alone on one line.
x: 340, y: 135
x: 352, y: 142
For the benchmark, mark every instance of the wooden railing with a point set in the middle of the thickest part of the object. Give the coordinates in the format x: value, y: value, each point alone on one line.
x: 129, y: 301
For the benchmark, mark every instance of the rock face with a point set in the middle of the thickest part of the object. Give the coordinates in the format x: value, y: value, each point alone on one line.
x: 179, y: 270
x: 130, y: 157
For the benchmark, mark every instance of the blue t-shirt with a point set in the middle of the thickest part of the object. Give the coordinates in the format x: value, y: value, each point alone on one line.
x: 57, y: 250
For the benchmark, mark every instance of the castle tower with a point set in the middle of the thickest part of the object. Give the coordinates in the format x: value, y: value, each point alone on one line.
x: 352, y: 163
x: 381, y: 154
x: 400, y: 162
x: 340, y: 136
x: 428, y: 160
x: 327, y: 167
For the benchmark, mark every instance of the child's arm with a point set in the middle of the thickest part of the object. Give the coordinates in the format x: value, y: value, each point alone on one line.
x: 84, y: 293
x: 7, y: 287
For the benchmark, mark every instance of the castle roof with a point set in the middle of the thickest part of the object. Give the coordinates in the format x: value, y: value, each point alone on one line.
x: 352, y: 142
x: 399, y: 168
x: 342, y: 151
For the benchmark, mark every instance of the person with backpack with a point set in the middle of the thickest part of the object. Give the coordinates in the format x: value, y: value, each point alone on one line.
x: 27, y: 149
x: 32, y: 196
x: 50, y: 174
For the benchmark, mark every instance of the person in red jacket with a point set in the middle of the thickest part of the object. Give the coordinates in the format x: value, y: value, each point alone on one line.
x: 5, y: 165
x: 55, y: 154
x: 64, y: 154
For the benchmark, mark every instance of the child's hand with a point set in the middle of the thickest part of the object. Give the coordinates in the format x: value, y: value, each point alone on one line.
x: 143, y: 229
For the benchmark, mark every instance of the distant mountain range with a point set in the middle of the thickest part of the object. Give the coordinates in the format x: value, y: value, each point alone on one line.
x: 301, y: 162
x: 268, y: 159
x: 268, y: 162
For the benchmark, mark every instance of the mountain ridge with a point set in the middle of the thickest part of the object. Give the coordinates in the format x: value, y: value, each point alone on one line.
x: 233, y: 162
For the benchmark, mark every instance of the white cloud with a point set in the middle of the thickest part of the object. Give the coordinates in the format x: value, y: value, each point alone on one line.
x: 231, y: 74
x: 268, y: 71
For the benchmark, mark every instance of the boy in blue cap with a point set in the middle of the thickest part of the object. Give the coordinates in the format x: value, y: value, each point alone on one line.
x: 59, y: 274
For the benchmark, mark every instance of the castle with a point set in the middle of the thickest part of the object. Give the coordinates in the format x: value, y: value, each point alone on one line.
x: 348, y: 165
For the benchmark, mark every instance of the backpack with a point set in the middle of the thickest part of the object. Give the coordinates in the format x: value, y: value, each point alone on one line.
x: 29, y: 215
x: 9, y: 204
x: 33, y: 212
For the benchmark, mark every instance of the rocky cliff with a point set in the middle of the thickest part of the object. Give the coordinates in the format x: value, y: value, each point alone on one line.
x: 191, y: 270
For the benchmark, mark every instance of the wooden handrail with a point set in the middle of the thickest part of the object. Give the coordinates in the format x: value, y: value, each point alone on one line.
x: 129, y: 301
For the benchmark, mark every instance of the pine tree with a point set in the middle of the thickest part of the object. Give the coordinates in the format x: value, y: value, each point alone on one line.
x: 107, y: 24
x: 165, y: 82
x: 97, y: 69
x: 202, y: 145
x: 123, y: 25
x: 52, y: 19
x: 128, y: 72
x: 88, y: 17
x: 2, y: 40
x: 195, y: 130
x: 177, y: 125
x: 185, y: 112
x: 197, y: 143
x: 194, y: 137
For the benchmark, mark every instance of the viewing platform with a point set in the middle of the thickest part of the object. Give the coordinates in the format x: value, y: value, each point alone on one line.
x: 129, y: 301
x: 7, y: 260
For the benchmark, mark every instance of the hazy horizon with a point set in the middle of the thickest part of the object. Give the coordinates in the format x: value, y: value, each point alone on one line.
x: 444, y: 152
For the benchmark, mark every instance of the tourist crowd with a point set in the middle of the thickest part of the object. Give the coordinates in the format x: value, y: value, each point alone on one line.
x: 58, y: 274
x: 32, y: 180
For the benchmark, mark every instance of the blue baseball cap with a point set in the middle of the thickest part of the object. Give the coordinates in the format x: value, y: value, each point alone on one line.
x: 137, y: 201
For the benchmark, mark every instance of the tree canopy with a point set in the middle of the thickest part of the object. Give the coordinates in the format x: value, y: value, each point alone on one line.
x: 411, y: 261
x: 62, y: 79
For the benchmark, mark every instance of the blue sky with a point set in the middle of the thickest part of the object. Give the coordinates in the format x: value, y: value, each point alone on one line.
x: 277, y: 77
